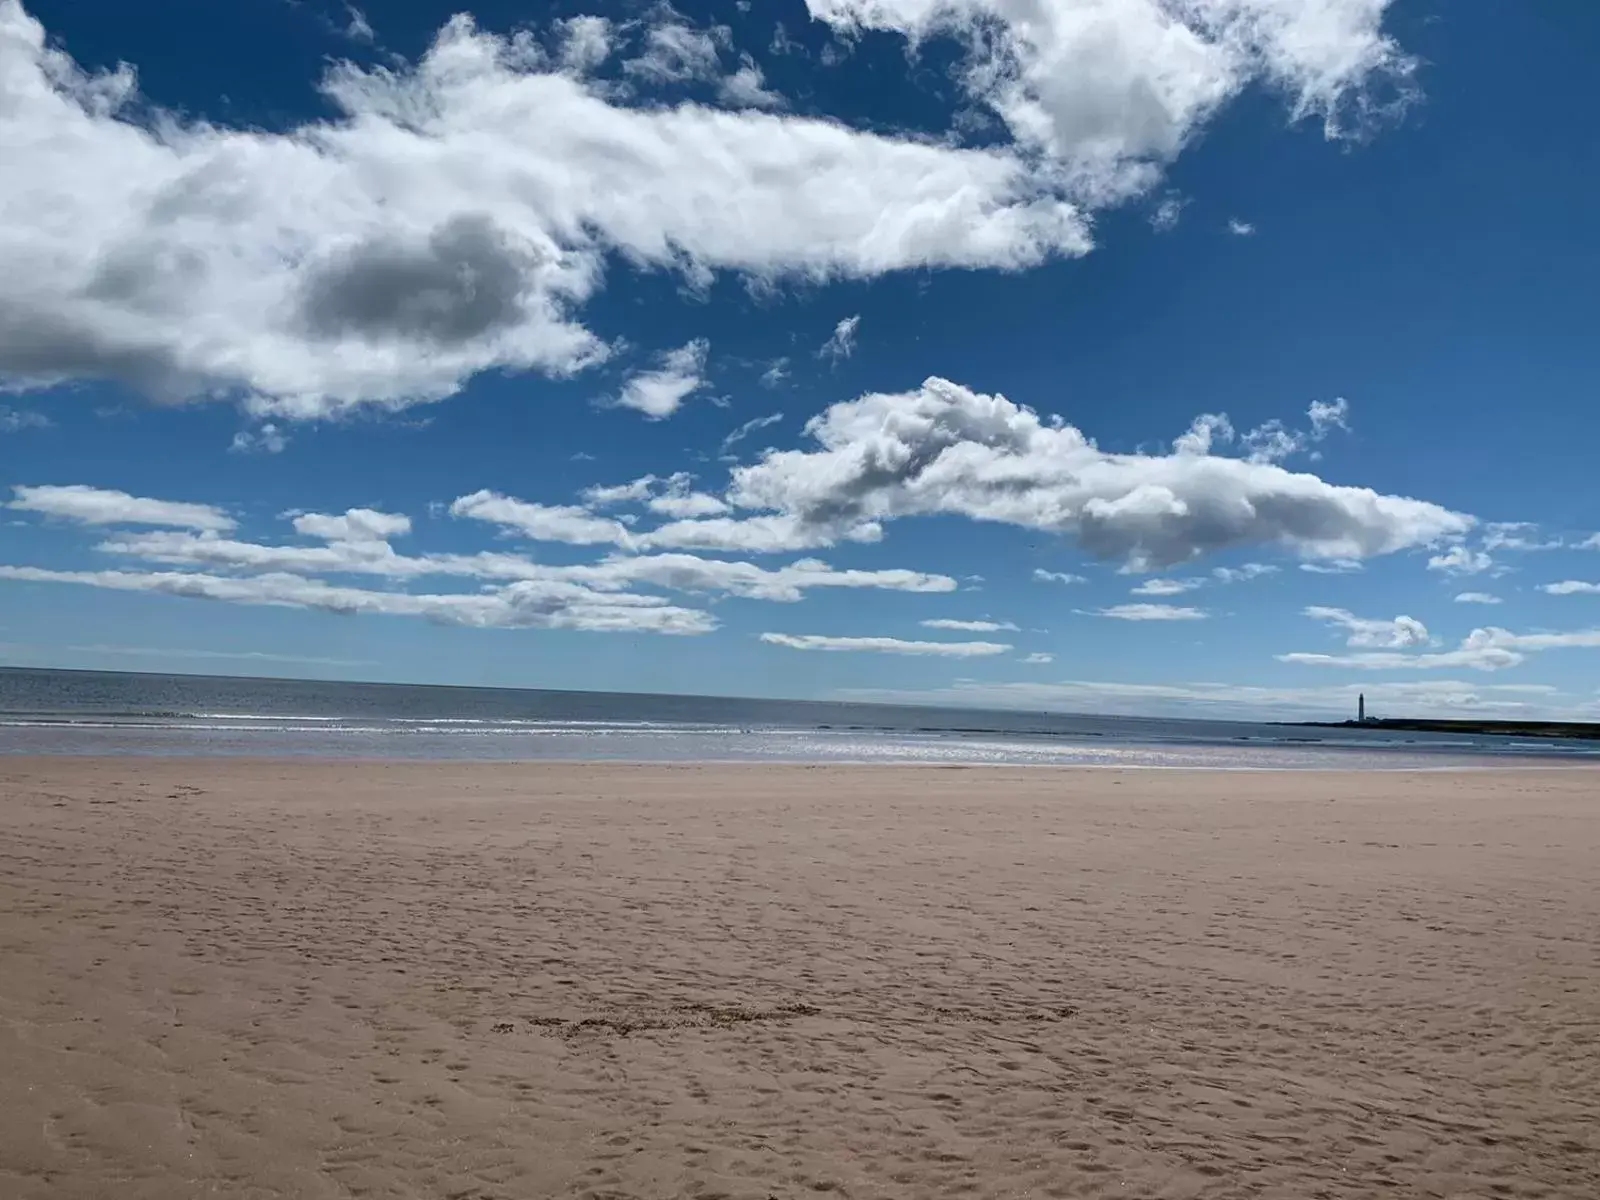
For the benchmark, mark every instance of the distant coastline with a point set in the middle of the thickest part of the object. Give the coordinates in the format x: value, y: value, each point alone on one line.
x: 1569, y: 730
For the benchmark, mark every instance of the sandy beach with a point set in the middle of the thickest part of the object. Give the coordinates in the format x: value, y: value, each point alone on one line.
x: 302, y: 979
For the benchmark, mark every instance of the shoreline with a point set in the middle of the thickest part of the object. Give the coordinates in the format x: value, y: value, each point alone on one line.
x: 1500, y: 763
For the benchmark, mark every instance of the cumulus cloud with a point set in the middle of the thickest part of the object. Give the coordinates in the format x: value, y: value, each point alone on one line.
x: 842, y: 342
x: 103, y: 506
x: 353, y: 525
x: 946, y: 450
x: 1040, y: 575
x: 1148, y: 612
x: 884, y: 645
x: 1167, y: 587
x: 660, y: 393
x: 775, y: 373
x: 1570, y: 587
x: 1399, y: 633
x: 1334, y: 566
x: 453, y: 216
x: 969, y: 626
x: 1241, y: 228
x: 1039, y: 658
x: 1477, y: 598
x: 1114, y: 89
x: 1461, y: 560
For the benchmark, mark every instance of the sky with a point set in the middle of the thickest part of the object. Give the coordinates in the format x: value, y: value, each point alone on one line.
x: 1204, y: 358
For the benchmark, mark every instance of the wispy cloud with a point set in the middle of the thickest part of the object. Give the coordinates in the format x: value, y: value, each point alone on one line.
x: 1147, y: 612
x: 842, y: 343
x: 884, y: 645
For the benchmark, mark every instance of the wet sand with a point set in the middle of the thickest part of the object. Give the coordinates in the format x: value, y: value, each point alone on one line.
x: 265, y: 979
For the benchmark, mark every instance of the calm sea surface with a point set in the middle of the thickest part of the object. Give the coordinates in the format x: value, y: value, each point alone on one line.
x: 90, y: 712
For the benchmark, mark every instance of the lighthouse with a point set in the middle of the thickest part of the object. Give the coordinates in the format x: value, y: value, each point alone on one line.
x: 1361, y: 709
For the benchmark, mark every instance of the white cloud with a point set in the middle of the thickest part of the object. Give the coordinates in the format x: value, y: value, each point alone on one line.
x: 1571, y: 587
x: 1592, y: 542
x: 660, y: 393
x: 842, y: 342
x: 15, y: 420
x: 1039, y: 658
x: 1400, y: 633
x: 634, y: 492
x: 542, y: 522
x: 1167, y: 213
x: 266, y: 438
x: 1244, y: 573
x: 944, y: 449
x: 776, y: 373
x: 1149, y: 612
x: 1040, y: 575
x: 1115, y: 88
x: 528, y: 604
x: 1241, y: 228
x: 453, y: 216
x: 747, y: 88
x: 674, y: 51
x: 353, y: 525
x: 884, y: 645
x: 679, y: 500
x: 777, y: 534
x: 1335, y: 566
x: 1270, y: 442
x: 1477, y: 598
x: 584, y: 42
x: 356, y: 544
x: 1486, y: 649
x: 969, y: 626
x: 358, y: 28
x: 1517, y: 535
x: 1459, y: 560
x: 101, y: 506
x: 749, y: 427
x: 1327, y: 416
x: 1167, y: 587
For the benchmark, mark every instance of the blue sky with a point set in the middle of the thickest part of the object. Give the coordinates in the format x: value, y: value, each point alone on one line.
x: 1133, y: 356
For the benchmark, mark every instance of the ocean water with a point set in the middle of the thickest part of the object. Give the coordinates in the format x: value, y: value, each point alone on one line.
x: 91, y: 712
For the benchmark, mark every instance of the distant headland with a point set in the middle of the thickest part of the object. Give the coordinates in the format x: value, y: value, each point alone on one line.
x: 1581, y: 730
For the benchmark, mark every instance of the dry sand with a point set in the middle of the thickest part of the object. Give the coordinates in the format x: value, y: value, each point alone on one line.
x: 254, y: 979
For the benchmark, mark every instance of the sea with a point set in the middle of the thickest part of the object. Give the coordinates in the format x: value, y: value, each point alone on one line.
x: 112, y: 713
